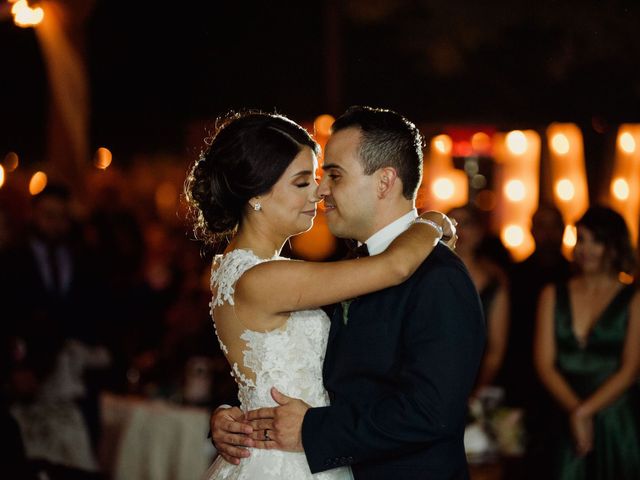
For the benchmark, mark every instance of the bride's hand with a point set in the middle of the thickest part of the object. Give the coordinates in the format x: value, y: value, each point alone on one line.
x: 449, y: 234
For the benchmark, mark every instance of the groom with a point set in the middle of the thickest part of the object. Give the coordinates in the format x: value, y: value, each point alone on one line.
x: 401, y: 362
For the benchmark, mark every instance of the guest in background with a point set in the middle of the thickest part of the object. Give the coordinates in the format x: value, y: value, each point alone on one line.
x: 522, y: 387
x: 587, y: 353
x: 53, y: 320
x: 492, y: 284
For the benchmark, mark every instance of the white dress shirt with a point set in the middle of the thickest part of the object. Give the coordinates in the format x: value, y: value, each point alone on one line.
x: 379, y: 241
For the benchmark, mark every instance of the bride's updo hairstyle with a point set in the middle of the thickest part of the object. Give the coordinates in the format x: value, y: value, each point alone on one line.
x: 246, y: 156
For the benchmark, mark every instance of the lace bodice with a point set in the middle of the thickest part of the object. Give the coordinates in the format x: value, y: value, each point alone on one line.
x: 289, y: 358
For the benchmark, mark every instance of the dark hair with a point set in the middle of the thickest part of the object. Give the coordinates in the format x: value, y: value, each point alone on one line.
x: 246, y: 156
x: 609, y: 228
x: 388, y: 140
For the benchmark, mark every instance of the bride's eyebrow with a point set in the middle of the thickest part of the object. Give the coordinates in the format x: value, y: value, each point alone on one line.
x: 301, y: 173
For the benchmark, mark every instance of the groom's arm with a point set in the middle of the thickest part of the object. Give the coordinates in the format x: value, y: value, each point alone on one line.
x: 444, y: 340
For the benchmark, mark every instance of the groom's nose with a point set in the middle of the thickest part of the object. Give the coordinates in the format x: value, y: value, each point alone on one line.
x: 323, y: 187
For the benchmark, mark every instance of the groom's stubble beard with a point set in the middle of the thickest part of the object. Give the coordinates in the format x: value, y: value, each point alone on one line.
x: 354, y: 227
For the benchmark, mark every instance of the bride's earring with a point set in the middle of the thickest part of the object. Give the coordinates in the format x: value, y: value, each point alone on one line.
x: 257, y: 207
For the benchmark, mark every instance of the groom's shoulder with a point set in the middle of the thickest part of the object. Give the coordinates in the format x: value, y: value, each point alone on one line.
x: 442, y: 257
x: 442, y: 262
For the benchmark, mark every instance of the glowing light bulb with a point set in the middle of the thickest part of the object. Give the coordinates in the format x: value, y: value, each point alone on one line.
x: 1, y: 176
x: 442, y: 143
x: 443, y: 188
x: 560, y: 144
x: 570, y: 236
x: 565, y: 190
x: 627, y: 142
x: 513, y: 235
x: 517, y: 142
x: 620, y: 189
x: 25, y: 16
x: 515, y: 190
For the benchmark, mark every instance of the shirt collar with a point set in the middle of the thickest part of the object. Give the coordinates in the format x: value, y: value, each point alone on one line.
x: 379, y: 241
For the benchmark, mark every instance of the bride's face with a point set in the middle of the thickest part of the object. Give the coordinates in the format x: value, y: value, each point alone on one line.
x: 290, y: 206
x: 590, y: 254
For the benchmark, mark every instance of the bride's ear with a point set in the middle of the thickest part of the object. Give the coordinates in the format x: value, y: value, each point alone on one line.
x: 255, y: 204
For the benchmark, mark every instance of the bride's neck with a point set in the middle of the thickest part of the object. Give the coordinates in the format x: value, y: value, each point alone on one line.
x: 261, y: 242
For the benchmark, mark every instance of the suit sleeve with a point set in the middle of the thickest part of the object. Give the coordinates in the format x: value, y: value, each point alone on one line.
x: 443, y: 341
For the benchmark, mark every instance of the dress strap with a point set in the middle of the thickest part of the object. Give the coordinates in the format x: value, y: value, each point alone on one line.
x: 230, y: 268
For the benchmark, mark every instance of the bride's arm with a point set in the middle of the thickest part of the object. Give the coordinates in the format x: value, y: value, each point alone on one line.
x: 296, y: 285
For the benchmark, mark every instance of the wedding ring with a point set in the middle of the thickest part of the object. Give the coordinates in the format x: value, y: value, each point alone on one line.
x: 266, y: 436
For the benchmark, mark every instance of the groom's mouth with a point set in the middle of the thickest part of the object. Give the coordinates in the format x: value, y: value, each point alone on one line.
x: 328, y: 206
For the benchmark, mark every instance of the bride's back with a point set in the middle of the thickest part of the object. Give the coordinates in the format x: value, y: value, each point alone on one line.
x: 289, y: 357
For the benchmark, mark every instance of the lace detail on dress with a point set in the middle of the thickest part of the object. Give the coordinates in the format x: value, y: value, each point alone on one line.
x: 289, y: 358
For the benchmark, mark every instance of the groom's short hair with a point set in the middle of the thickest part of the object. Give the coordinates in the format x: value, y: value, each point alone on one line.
x: 388, y: 140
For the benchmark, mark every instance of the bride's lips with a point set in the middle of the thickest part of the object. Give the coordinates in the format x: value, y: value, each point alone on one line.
x: 311, y: 213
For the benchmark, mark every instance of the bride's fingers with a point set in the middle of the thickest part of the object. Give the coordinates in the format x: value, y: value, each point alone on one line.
x: 235, y: 427
x: 237, y: 440
x: 231, y: 460
x: 230, y: 452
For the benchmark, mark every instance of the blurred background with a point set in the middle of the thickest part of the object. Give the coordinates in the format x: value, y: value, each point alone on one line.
x: 526, y: 108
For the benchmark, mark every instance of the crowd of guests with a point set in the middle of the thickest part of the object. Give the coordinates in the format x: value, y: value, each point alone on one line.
x: 111, y: 301
x: 563, y: 343
x: 116, y: 300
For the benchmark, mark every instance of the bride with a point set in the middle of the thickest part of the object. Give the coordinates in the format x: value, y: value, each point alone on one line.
x: 256, y: 182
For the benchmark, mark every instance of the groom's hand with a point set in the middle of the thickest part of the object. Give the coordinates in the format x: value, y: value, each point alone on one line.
x: 280, y: 427
x: 229, y: 434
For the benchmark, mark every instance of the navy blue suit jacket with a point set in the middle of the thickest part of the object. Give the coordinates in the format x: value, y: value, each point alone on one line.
x: 399, y: 374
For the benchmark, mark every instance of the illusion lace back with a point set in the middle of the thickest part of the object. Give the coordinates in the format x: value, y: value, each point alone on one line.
x: 289, y: 358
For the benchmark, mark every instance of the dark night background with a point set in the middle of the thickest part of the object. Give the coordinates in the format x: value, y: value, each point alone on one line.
x: 157, y: 68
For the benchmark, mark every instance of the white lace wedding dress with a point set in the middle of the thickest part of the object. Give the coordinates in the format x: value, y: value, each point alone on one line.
x: 289, y: 358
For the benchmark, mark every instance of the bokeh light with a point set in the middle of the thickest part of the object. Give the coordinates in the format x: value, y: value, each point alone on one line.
x: 570, y: 236
x: 515, y: 190
x: 25, y: 16
x: 512, y: 235
x: 102, y: 158
x: 442, y: 144
x: 37, y: 183
x: 481, y: 142
x: 620, y: 189
x: 443, y: 188
x: 517, y: 142
x: 627, y: 142
x: 322, y: 125
x: 560, y: 144
x: 565, y: 189
x: 11, y: 161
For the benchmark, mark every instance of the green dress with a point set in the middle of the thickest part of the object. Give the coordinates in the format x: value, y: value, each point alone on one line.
x: 616, y: 452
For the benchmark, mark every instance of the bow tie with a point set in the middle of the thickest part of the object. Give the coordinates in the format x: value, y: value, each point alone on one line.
x: 362, y: 251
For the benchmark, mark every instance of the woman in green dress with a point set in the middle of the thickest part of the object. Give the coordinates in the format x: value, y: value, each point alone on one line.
x: 587, y: 353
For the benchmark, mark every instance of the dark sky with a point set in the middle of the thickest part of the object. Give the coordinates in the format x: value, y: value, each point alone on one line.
x: 156, y: 68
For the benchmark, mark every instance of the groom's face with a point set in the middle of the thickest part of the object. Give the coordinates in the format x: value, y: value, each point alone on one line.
x: 349, y: 195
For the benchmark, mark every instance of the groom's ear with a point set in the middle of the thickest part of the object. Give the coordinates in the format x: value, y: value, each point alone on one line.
x: 386, y: 178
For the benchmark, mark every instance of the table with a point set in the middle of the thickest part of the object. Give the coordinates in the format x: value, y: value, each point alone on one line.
x: 153, y: 440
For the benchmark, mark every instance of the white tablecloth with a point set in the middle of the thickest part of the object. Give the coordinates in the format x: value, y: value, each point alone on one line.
x: 153, y: 440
